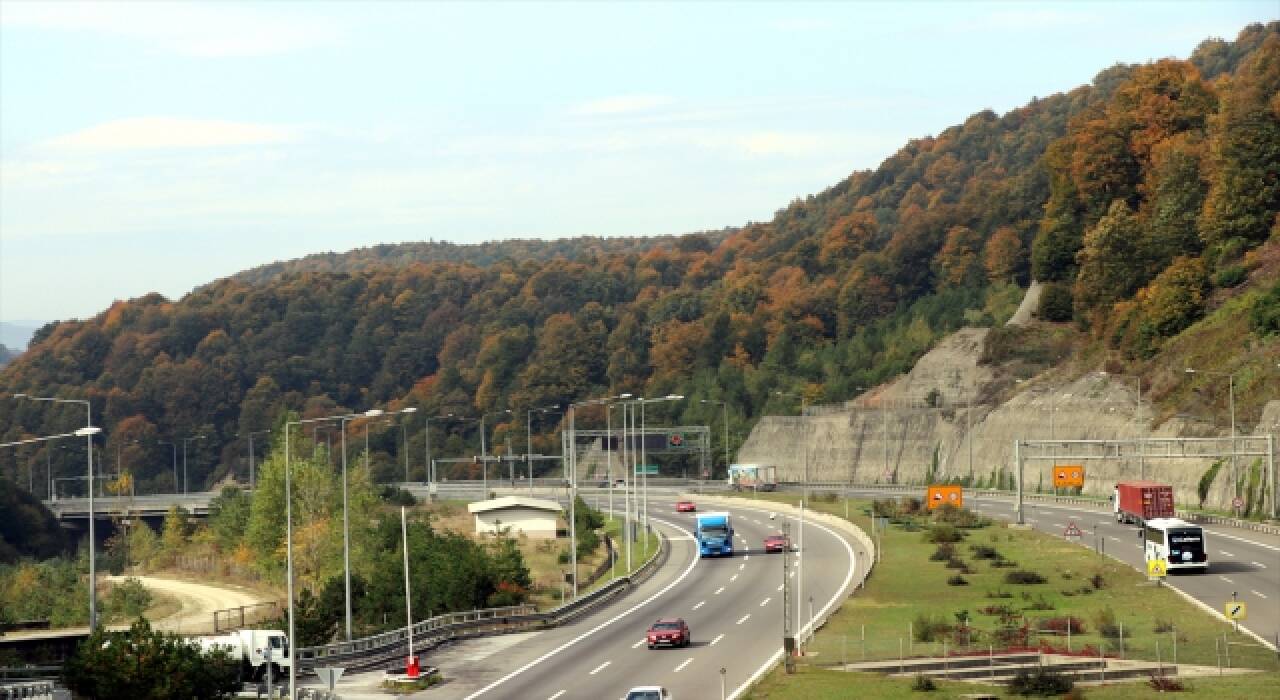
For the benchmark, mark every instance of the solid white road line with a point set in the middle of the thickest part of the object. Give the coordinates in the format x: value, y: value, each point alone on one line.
x: 702, y: 603
x: 600, y: 668
x: 553, y: 697
x: 765, y: 602
x: 719, y: 591
x: 686, y: 663
x: 1258, y: 594
x: 721, y: 636
x: 744, y: 618
x: 688, y: 570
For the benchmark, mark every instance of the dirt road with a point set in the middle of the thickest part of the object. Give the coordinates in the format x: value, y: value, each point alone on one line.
x: 197, y: 601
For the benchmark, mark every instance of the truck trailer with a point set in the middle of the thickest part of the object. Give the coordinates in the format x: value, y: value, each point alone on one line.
x: 753, y: 477
x: 1140, y: 501
x: 715, y: 534
x: 259, y: 651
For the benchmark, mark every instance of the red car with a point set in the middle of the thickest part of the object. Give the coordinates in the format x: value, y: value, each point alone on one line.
x: 686, y: 507
x: 671, y: 631
x: 777, y: 543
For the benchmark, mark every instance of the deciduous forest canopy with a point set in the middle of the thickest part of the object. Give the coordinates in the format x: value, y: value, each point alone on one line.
x: 1132, y: 197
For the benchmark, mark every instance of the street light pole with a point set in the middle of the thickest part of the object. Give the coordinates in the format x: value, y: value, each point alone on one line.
x: 174, y: 445
x: 1231, y: 399
x: 185, y: 440
x: 725, y: 406
x: 88, y: 424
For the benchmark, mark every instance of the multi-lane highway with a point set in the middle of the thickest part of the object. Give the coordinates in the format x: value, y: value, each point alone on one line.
x: 732, y: 605
x: 1241, y: 561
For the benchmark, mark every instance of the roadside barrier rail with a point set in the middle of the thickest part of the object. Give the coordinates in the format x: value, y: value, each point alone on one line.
x: 374, y: 652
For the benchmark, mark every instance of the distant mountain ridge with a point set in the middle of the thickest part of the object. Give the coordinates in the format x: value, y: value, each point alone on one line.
x: 16, y: 335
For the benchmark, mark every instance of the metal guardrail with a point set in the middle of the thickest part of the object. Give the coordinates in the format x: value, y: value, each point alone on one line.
x: 372, y: 652
x: 38, y: 689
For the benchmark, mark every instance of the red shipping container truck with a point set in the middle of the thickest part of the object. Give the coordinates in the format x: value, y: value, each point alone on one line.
x: 1140, y: 501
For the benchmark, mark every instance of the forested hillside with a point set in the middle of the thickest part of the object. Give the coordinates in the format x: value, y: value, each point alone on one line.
x: 1135, y: 197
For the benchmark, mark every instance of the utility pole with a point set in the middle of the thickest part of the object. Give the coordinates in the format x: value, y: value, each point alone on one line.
x: 788, y: 635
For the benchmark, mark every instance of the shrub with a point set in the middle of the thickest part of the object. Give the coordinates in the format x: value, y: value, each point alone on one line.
x: 1062, y: 624
x: 927, y: 629
x: 1004, y: 564
x: 1105, y: 619
x: 923, y: 684
x: 128, y: 599
x: 1040, y: 681
x: 954, y: 563
x: 1165, y: 684
x: 1041, y: 604
x: 1162, y: 626
x: 1097, y: 581
x: 957, y: 580
x: 996, y: 610
x: 982, y: 551
x: 944, y: 552
x: 1229, y: 277
x: 943, y: 533
x: 397, y: 496
x: 1022, y: 576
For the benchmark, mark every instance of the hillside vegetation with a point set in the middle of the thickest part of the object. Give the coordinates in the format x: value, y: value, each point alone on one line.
x: 1141, y: 199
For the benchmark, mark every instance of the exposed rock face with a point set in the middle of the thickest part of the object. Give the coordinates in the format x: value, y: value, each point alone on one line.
x: 898, y: 433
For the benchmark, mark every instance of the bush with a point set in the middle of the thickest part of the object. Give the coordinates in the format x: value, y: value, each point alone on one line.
x: 1229, y: 277
x: 1105, y: 619
x: 1162, y: 626
x: 1003, y: 564
x: 1097, y: 581
x: 1062, y: 624
x: 1041, y: 604
x: 1165, y: 684
x: 1041, y: 681
x: 924, y: 684
x: 139, y: 662
x: 397, y: 496
x: 1022, y: 576
x: 128, y: 599
x: 954, y: 563
x: 926, y: 629
x: 957, y: 580
x: 943, y: 533
x: 982, y: 551
x: 999, y: 594
x: 944, y: 552
x: 1055, y: 303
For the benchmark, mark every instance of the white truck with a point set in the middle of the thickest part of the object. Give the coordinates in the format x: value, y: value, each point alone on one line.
x: 259, y: 652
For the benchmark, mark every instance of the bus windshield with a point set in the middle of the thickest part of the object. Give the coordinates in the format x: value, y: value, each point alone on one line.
x: 1186, y: 545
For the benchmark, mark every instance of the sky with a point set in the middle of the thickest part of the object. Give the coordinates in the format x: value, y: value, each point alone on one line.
x: 157, y: 146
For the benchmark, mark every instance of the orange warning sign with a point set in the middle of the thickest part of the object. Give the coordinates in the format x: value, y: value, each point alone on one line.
x: 1065, y: 475
x: 937, y: 495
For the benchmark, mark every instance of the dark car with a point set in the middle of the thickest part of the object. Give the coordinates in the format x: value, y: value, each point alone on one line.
x: 777, y: 543
x: 686, y: 507
x: 668, y: 631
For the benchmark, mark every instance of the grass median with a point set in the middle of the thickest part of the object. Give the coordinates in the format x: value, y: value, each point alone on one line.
x: 975, y: 586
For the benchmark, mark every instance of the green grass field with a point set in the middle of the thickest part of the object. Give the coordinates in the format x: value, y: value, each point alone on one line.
x: 908, y: 604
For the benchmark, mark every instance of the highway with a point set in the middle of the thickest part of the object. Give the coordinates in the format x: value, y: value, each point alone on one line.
x: 732, y: 605
x: 1240, y: 561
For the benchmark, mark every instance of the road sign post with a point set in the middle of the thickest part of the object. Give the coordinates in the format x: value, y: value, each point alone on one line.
x: 1157, y: 569
x: 330, y: 675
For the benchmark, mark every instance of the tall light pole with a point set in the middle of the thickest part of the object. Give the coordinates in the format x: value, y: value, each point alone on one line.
x: 88, y: 435
x: 174, y: 445
x: 528, y: 436
x: 185, y: 440
x: 252, y: 473
x: 725, y: 405
x: 288, y: 540
x: 1231, y: 398
x: 1142, y: 444
x: 484, y: 450
x: 404, y: 435
x: 644, y: 501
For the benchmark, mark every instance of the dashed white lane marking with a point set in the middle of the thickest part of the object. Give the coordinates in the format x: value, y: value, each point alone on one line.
x: 1258, y: 594
x: 553, y: 697
x: 699, y: 605
x: 1260, y: 565
x: 637, y: 644
x: 1216, y: 533
x: 719, y: 591
x: 744, y: 618
x: 765, y: 602
x: 745, y: 557
x: 779, y: 585
x: 1225, y: 552
x: 600, y: 668
x: 1224, y: 578
x: 742, y: 566
x: 1113, y: 539
x: 1059, y: 525
x: 721, y: 636
x: 793, y: 574
x: 733, y: 578
x: 682, y: 665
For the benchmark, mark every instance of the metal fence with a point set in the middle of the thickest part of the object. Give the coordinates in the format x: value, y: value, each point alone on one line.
x: 232, y: 619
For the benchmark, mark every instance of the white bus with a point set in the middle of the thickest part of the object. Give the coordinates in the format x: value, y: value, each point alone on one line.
x: 1180, y: 544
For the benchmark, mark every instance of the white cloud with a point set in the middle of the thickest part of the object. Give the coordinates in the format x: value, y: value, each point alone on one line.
x: 169, y: 132
x: 204, y: 30
x: 621, y: 104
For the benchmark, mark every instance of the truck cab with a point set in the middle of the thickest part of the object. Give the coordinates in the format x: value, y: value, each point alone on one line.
x: 257, y: 651
x: 714, y: 532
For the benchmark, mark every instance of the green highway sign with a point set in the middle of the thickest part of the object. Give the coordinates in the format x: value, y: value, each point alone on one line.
x: 650, y: 469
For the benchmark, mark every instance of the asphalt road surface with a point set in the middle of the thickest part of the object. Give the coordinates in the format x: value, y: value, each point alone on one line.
x: 732, y: 605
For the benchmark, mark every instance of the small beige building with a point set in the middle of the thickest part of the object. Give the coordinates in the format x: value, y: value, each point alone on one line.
x: 534, y: 517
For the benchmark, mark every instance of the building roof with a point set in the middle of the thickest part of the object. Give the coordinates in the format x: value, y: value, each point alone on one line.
x: 514, y: 502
